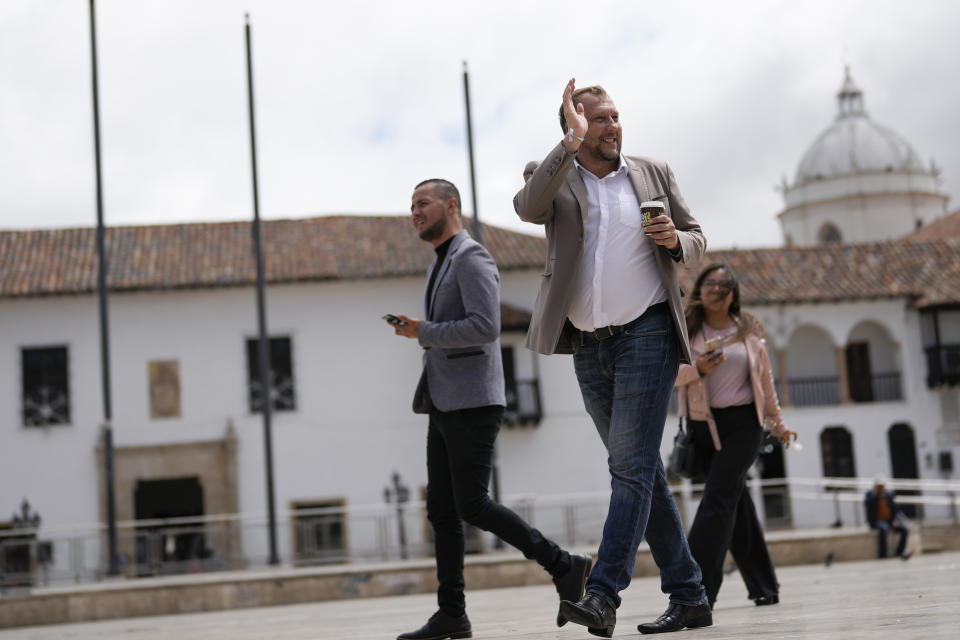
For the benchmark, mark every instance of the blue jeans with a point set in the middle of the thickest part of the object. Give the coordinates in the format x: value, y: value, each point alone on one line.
x: 626, y: 381
x: 884, y: 528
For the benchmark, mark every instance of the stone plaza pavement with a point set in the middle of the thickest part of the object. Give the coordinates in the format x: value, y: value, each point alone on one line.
x: 919, y: 598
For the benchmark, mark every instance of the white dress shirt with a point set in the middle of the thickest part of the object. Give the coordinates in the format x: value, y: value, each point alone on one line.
x: 618, y: 277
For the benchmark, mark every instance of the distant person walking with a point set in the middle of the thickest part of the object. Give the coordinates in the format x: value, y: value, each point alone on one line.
x: 727, y: 395
x: 462, y: 390
x: 883, y: 514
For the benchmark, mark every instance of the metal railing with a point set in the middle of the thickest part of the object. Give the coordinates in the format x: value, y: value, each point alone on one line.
x: 359, y: 534
x: 814, y: 391
x: 886, y: 386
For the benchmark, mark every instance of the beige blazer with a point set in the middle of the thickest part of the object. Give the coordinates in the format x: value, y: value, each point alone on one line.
x: 555, y: 196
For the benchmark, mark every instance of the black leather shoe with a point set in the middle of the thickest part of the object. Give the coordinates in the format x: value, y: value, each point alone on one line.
x: 593, y: 612
x: 440, y: 626
x: 570, y: 585
x: 765, y: 600
x: 679, y: 616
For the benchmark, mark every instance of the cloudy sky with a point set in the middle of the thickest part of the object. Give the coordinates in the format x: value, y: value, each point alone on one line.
x: 358, y: 101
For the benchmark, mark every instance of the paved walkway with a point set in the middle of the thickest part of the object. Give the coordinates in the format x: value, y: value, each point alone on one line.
x: 854, y: 600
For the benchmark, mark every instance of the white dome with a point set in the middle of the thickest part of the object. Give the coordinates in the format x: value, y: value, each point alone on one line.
x: 855, y: 144
x: 858, y: 182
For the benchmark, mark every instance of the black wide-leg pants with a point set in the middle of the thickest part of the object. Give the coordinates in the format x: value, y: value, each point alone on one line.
x: 727, y: 518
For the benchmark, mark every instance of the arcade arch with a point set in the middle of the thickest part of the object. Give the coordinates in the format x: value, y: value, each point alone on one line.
x: 813, y: 375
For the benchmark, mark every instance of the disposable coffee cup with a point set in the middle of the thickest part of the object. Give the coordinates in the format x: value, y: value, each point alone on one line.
x: 651, y: 209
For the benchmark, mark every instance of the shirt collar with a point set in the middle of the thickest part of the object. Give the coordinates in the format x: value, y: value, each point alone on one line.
x: 621, y: 168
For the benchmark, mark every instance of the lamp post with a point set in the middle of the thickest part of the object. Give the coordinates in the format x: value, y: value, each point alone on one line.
x: 25, y: 520
x: 399, y: 494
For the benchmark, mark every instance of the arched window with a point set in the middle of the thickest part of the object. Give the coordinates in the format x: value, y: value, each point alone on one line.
x: 829, y: 234
x: 836, y: 451
x: 873, y: 369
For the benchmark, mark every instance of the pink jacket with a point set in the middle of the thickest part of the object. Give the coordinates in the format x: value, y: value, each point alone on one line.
x: 692, y: 388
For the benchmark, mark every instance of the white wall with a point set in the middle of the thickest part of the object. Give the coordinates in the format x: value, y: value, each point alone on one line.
x: 353, y: 426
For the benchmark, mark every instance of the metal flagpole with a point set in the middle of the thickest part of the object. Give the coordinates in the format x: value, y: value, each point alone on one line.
x: 473, y: 182
x: 266, y: 397
x: 477, y: 235
x: 106, y: 430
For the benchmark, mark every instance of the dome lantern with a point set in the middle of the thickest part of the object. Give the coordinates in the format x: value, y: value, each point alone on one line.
x: 849, y: 98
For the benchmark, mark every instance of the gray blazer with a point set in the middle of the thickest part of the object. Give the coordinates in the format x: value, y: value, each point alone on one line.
x: 462, y: 366
x: 555, y: 196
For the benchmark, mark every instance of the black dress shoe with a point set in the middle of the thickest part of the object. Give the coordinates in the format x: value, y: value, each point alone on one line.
x: 593, y: 612
x: 765, y: 600
x: 440, y: 626
x: 679, y: 616
x: 570, y: 585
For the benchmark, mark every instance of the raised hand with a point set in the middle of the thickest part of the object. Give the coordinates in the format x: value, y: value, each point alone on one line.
x: 574, y: 116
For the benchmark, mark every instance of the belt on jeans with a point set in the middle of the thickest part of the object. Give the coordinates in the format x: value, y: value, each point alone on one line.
x: 604, y: 333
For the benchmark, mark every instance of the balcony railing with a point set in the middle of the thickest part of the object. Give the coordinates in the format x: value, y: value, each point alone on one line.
x: 943, y: 365
x: 886, y: 386
x: 814, y: 391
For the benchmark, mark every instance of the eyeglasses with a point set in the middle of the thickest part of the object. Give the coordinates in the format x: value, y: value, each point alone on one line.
x: 719, y: 285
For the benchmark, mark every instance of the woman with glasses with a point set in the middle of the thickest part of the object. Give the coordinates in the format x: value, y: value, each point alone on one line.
x: 727, y: 395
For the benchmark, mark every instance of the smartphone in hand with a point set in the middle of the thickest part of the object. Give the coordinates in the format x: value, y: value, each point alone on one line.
x: 392, y: 319
x: 714, y: 346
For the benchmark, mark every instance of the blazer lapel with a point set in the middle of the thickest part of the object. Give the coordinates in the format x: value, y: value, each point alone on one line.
x: 575, y: 181
x: 579, y: 189
x: 642, y: 190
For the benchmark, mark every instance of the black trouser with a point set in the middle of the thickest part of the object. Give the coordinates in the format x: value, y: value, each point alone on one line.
x: 726, y: 518
x: 459, y: 463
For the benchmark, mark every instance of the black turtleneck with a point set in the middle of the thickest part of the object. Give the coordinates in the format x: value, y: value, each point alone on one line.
x: 441, y: 251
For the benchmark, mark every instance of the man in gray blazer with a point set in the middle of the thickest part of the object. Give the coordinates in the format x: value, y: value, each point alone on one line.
x: 609, y: 295
x: 462, y: 390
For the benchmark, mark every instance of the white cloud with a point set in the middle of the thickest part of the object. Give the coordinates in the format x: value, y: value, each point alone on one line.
x: 357, y: 102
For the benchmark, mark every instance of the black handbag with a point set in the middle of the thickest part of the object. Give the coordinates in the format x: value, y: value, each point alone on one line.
x: 683, y: 458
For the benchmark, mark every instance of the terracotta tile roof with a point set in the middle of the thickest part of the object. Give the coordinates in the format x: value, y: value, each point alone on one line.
x: 514, y: 318
x: 947, y: 226
x: 63, y: 261
x: 927, y: 272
